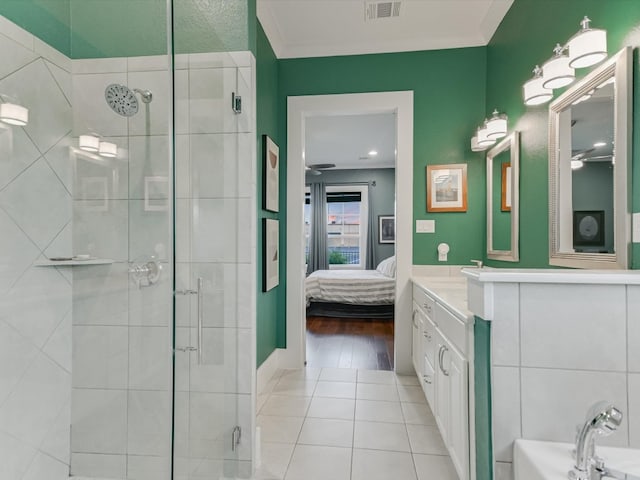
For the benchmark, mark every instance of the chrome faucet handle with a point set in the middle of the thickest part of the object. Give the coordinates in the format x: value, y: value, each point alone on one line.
x: 477, y: 262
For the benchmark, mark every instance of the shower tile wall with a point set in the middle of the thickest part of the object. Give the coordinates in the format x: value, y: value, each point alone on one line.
x: 35, y: 302
x: 122, y: 333
x: 215, y: 241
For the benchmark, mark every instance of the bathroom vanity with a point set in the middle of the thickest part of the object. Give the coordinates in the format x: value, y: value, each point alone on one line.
x: 559, y: 341
x: 443, y: 359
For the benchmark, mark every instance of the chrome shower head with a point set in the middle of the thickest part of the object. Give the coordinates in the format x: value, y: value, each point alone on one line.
x: 123, y: 100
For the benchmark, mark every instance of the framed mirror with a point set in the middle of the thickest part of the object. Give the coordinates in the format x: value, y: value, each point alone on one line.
x: 589, y: 173
x: 503, y: 167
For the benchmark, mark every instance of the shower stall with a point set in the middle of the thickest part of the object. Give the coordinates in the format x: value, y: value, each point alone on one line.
x: 128, y: 240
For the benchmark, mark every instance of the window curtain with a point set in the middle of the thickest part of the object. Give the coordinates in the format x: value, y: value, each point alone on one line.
x: 318, y: 258
x: 371, y: 261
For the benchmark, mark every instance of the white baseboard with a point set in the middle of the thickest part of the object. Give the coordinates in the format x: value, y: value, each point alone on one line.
x: 268, y: 369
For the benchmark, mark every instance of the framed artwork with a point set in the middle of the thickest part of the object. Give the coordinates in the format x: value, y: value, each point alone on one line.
x: 505, y: 203
x: 588, y: 228
x: 386, y: 229
x: 271, y: 174
x: 447, y: 188
x: 270, y: 254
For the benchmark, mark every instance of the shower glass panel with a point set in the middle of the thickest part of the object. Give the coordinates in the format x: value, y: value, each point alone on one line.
x: 127, y: 267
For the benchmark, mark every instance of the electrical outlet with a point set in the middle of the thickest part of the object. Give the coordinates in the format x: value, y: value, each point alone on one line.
x: 425, y: 226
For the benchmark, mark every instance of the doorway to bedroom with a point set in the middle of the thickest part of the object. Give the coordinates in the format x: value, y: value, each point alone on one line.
x: 349, y: 240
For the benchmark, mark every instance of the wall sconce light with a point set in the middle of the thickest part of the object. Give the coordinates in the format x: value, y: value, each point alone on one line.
x: 533, y: 91
x: 14, y: 114
x: 89, y: 143
x: 497, y: 125
x: 556, y: 72
x: 483, y: 139
x: 108, y: 149
x: 584, y: 49
x: 588, y: 46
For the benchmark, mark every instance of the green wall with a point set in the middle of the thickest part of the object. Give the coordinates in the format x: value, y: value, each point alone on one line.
x: 525, y: 38
x: 48, y: 20
x: 136, y: 27
x: 270, y: 305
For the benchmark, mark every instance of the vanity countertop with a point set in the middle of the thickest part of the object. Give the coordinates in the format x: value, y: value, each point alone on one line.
x: 449, y: 291
x: 546, y: 275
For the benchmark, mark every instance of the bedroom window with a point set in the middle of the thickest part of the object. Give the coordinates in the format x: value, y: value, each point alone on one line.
x: 347, y: 226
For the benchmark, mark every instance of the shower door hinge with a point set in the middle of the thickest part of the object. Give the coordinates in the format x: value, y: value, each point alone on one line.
x: 235, y: 438
x: 236, y: 103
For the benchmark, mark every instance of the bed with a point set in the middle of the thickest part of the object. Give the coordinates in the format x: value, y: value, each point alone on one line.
x: 352, y: 293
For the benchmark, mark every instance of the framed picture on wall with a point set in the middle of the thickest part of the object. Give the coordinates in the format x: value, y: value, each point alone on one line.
x: 447, y: 188
x: 270, y: 188
x: 505, y: 203
x: 270, y: 254
x: 588, y: 228
x: 386, y: 229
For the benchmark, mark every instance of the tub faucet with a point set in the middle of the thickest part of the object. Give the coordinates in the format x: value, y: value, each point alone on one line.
x: 603, y: 419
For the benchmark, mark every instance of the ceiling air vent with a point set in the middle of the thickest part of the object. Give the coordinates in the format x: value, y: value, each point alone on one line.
x: 375, y: 10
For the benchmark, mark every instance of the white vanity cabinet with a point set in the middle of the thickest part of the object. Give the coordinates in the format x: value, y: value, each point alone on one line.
x: 442, y: 338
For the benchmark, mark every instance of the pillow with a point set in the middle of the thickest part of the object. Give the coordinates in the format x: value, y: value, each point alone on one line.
x: 387, y: 267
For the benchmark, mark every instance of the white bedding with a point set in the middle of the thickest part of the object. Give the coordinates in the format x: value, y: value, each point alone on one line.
x: 359, y: 287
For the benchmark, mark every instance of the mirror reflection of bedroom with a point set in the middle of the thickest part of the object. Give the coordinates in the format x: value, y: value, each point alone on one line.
x: 350, y: 240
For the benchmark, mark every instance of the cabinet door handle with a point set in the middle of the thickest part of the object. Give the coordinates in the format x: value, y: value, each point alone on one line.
x: 441, y: 352
x: 413, y: 317
x: 427, y: 379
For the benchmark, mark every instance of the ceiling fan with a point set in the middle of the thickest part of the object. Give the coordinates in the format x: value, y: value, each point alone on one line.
x: 316, y: 168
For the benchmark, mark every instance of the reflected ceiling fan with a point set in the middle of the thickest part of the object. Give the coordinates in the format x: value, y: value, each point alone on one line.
x: 316, y: 168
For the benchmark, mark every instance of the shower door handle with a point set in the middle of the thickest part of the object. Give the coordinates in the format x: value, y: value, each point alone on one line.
x: 199, y: 296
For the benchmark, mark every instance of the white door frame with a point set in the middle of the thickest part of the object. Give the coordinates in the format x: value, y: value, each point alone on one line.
x: 298, y: 110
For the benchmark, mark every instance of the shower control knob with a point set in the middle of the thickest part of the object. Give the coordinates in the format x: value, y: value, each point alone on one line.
x: 145, y: 271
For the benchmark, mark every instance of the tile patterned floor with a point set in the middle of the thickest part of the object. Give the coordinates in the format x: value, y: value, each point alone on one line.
x: 348, y: 424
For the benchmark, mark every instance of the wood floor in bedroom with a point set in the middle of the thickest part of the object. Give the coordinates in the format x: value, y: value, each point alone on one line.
x: 350, y: 343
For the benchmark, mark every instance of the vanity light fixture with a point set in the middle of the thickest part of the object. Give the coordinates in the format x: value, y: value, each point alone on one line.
x: 14, y: 114
x: 373, y: 153
x: 483, y: 138
x: 588, y: 46
x: 497, y: 125
x: 89, y: 143
x: 108, y: 149
x: 556, y: 72
x: 584, y: 49
x: 533, y: 91
x: 576, y: 164
x: 599, y: 144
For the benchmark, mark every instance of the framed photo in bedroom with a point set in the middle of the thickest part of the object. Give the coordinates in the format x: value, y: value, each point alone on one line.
x: 270, y: 254
x: 271, y: 174
x: 447, y: 188
x: 386, y: 229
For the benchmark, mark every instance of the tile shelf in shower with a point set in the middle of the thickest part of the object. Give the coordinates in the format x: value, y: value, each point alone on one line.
x: 73, y: 263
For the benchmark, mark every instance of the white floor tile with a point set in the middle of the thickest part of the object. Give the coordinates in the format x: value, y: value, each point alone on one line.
x: 327, y: 432
x: 411, y: 393
x: 381, y: 436
x: 376, y: 376
x: 338, y: 375
x: 307, y: 373
x: 434, y: 467
x: 407, y: 380
x: 370, y: 391
x: 381, y: 465
x: 426, y: 439
x: 311, y: 462
x: 336, y: 390
x: 275, y: 460
x: 279, y: 429
x: 294, y: 387
x: 286, y: 406
x: 338, y: 408
x: 374, y: 411
x: 417, y: 413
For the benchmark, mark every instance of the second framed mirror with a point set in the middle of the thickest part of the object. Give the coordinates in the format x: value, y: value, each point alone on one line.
x: 503, y: 167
